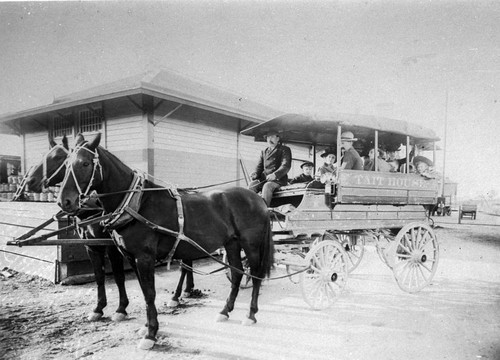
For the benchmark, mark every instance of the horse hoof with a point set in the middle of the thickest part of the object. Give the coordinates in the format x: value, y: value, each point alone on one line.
x: 117, y: 317
x: 186, y: 294
x: 146, y: 344
x: 172, y: 304
x: 94, y: 316
x: 143, y: 331
x: 221, y: 318
x: 248, y: 322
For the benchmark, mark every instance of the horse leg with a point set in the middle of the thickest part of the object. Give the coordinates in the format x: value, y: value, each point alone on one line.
x: 96, y: 255
x: 174, y: 302
x: 116, y: 260
x: 234, y: 259
x: 146, y: 273
x: 189, y: 278
x: 250, y: 320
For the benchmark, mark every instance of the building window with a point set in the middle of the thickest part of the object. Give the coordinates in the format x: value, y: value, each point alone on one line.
x: 62, y: 125
x: 90, y: 120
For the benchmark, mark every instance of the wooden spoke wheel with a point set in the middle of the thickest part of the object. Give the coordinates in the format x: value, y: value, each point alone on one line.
x: 354, y: 246
x: 326, y: 277
x: 415, y: 258
x: 246, y: 281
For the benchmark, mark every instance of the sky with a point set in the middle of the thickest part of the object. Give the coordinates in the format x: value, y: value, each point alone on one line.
x: 433, y: 63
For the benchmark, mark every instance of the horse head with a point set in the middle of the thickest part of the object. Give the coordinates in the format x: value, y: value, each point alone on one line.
x: 83, y: 174
x: 51, y: 169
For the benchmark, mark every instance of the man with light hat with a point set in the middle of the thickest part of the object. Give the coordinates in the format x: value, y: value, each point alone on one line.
x: 271, y: 171
x: 351, y: 159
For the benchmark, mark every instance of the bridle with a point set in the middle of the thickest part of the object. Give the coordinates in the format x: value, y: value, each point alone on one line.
x: 45, y: 179
x: 70, y: 171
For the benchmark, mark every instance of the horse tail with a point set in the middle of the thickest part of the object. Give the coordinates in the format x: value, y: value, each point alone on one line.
x: 267, y: 250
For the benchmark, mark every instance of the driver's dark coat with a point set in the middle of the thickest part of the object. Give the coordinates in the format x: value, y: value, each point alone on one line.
x: 277, y: 161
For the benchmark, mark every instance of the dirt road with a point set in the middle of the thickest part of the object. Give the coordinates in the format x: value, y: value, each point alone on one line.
x: 457, y: 317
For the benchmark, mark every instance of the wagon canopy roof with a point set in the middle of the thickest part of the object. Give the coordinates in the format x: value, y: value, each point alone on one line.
x: 321, y: 129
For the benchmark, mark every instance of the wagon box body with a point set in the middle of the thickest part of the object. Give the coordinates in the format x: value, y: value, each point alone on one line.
x: 364, y: 200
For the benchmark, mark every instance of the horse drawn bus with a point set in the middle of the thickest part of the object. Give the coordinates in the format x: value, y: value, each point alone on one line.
x: 317, y: 232
x: 327, y: 227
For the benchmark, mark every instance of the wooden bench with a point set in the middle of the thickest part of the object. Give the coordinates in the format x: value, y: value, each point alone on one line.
x: 296, y: 189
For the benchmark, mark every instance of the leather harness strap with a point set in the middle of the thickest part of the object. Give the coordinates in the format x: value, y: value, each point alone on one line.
x: 129, y: 210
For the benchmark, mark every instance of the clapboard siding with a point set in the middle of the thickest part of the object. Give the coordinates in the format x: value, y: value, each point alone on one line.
x: 194, y: 148
x: 125, y: 134
x: 197, y: 137
x: 37, y: 145
x: 188, y: 169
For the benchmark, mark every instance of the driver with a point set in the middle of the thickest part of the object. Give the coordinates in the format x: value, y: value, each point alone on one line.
x: 271, y: 171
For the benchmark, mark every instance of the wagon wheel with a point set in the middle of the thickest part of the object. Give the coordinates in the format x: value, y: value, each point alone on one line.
x: 353, y: 245
x: 246, y: 281
x: 415, y: 258
x: 325, y: 280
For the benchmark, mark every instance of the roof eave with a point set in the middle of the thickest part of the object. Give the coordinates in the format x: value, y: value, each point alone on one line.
x: 7, y: 122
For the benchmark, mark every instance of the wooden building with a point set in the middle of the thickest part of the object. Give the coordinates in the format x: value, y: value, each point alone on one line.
x: 175, y: 129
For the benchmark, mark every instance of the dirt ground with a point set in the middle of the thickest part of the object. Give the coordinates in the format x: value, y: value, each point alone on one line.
x: 456, y: 317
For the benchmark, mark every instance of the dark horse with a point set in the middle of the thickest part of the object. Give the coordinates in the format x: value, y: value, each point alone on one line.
x: 235, y: 218
x: 50, y: 172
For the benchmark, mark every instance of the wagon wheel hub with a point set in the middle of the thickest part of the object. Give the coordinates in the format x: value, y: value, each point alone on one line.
x: 329, y: 276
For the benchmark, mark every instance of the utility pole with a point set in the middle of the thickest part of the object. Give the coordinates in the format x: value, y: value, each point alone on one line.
x: 444, y: 145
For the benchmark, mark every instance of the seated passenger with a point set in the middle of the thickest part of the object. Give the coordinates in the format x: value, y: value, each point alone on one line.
x: 382, y: 165
x: 351, y: 159
x: 423, y: 166
x: 327, y: 171
x: 306, y: 176
x: 271, y: 170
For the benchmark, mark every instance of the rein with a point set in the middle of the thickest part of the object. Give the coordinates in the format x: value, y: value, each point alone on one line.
x: 195, y: 188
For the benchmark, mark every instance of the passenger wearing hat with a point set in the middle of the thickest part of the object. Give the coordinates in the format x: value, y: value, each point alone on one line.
x: 271, y: 171
x: 351, y: 159
x: 423, y: 166
x: 306, y: 176
x: 328, y: 170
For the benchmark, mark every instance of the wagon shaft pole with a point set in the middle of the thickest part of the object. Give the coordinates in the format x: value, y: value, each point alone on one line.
x: 23, y: 242
x: 41, y: 226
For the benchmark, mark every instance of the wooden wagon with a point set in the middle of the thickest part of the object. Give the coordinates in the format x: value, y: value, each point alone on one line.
x: 467, y: 210
x: 324, y: 230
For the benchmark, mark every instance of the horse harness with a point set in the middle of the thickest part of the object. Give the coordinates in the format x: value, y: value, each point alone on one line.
x: 128, y: 210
